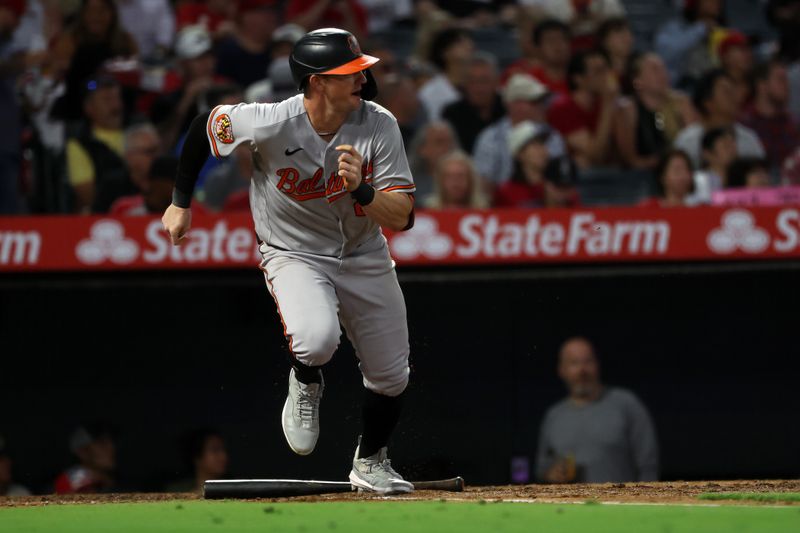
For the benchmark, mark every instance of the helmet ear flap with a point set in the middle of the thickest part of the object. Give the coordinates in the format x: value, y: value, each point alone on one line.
x: 370, y: 89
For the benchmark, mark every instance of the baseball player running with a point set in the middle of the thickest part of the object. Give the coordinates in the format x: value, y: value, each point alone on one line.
x: 330, y: 172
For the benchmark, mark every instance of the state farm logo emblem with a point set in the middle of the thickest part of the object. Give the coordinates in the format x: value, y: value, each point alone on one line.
x: 423, y: 239
x: 107, y: 242
x: 738, y: 231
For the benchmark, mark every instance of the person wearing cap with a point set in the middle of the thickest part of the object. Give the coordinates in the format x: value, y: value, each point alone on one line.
x: 736, y: 59
x: 526, y: 99
x: 538, y: 180
x: 173, y: 111
x: 95, y: 154
x: 93, y: 445
x: 7, y: 485
x: 244, y: 56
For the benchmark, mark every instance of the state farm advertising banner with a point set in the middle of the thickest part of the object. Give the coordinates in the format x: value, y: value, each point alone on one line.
x: 68, y: 243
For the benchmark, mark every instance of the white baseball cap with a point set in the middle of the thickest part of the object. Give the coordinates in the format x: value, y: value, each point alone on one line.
x: 525, y: 132
x: 192, y: 42
x: 290, y: 33
x: 524, y: 87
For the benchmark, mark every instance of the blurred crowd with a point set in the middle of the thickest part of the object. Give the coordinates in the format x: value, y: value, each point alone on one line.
x: 526, y: 103
x: 94, y: 468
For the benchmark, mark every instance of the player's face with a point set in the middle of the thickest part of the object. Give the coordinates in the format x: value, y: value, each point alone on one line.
x: 343, y: 91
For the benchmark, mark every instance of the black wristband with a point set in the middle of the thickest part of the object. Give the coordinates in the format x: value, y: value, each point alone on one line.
x: 181, y: 199
x: 364, y: 193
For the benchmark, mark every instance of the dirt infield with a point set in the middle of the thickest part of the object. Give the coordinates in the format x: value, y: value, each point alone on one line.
x: 662, y: 492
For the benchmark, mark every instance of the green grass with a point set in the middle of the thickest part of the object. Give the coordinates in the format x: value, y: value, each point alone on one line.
x: 389, y: 517
x: 752, y: 496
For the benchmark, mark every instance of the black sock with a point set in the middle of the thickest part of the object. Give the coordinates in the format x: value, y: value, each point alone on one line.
x: 379, y: 417
x: 307, y: 374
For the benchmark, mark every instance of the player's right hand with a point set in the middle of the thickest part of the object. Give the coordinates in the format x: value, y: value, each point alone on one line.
x: 177, y: 221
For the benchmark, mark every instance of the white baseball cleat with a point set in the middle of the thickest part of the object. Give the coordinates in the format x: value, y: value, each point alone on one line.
x: 300, y: 419
x: 375, y: 474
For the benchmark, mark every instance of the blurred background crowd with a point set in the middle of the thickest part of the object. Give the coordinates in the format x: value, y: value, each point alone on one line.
x: 526, y: 103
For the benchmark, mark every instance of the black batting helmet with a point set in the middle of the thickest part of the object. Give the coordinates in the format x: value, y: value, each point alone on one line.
x: 331, y: 51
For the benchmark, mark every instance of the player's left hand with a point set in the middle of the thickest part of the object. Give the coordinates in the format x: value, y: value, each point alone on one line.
x: 350, y: 166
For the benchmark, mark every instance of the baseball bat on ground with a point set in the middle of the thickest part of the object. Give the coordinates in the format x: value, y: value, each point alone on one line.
x: 287, y: 488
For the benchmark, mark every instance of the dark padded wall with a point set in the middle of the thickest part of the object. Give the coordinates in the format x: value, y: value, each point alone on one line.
x: 713, y: 354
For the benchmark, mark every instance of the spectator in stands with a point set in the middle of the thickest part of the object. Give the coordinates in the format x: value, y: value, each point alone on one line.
x: 94, y: 38
x: 525, y: 99
x: 151, y: 23
x: 156, y: 193
x: 142, y: 145
x: 782, y: 15
x: 174, y: 111
x: 648, y: 121
x: 481, y: 104
x: 585, y: 117
x: 583, y: 16
x: 561, y: 183
x: 388, y: 64
x: 790, y: 171
x: 314, y: 14
x: 283, y: 39
x: 749, y: 172
x: 715, y: 98
x: 383, y: 14
x: 456, y: 184
x: 12, y: 63
x: 431, y: 143
x: 450, y: 52
x: 769, y: 116
x: 719, y: 151
x: 216, y: 16
x: 674, y: 181
x: 230, y: 181
x: 397, y: 94
x: 736, y: 59
x: 206, y: 456
x: 614, y: 37
x: 549, y: 66
x: 683, y: 42
x: 93, y: 445
x: 597, y: 434
x: 527, y: 142
x: 7, y: 485
x: 245, y: 56
x: 95, y: 165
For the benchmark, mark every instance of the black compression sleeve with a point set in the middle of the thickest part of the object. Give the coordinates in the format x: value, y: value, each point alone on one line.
x: 194, y: 154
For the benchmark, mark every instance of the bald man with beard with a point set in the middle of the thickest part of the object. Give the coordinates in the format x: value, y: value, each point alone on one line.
x: 597, y: 434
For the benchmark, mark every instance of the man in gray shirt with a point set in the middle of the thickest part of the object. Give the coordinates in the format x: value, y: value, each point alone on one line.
x: 597, y: 434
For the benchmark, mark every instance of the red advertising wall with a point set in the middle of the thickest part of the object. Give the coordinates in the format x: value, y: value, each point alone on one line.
x: 72, y: 243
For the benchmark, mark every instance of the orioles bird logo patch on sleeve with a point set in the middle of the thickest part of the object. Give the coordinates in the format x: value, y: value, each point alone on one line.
x: 223, y: 130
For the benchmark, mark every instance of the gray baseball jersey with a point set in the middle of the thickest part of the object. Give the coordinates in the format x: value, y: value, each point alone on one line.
x: 325, y: 262
x: 297, y: 199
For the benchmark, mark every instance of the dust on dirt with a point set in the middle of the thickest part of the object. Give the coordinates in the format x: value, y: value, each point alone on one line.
x: 656, y: 492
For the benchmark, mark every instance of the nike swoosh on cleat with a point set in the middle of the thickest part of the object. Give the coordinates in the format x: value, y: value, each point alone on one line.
x: 288, y: 152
